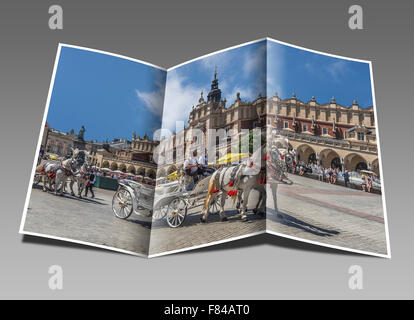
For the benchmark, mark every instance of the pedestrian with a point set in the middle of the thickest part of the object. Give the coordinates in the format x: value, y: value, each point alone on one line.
x: 369, y: 183
x: 90, y: 184
x: 41, y: 154
x: 334, y: 176
x: 364, y: 183
x: 330, y: 175
x: 346, y: 177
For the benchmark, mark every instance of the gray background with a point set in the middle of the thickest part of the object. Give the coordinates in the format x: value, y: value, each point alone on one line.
x: 167, y: 33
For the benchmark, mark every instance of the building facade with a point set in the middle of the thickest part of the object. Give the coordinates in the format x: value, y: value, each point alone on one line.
x: 60, y: 143
x: 329, y: 134
x: 135, y: 156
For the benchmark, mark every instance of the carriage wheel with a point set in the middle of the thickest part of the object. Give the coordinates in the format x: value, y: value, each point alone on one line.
x: 177, y: 211
x: 122, y: 204
x: 160, y: 213
x: 215, y: 204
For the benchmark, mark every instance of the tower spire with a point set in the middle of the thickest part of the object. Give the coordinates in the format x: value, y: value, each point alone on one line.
x: 215, y: 93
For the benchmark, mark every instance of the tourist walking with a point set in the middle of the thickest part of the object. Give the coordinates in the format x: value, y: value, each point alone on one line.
x: 90, y: 184
x: 346, y: 177
x: 369, y: 183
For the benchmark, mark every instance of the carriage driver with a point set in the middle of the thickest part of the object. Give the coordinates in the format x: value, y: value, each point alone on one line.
x: 203, y: 168
x: 190, y: 166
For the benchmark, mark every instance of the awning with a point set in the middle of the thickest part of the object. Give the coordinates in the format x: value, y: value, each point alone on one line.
x: 232, y: 157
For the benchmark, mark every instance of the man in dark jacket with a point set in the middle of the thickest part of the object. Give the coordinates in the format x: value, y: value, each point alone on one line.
x: 89, y: 185
x: 346, y: 177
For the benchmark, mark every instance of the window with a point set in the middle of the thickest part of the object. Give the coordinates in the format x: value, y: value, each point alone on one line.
x: 361, y: 136
x: 268, y: 121
x: 305, y: 127
x: 286, y: 124
x: 324, y: 131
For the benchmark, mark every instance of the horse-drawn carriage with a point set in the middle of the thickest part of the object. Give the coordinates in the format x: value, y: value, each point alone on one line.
x: 171, y: 200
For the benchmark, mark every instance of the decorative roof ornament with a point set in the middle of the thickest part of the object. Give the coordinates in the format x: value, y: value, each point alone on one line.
x: 333, y: 100
x: 201, y: 97
x: 215, y: 93
x: 293, y: 95
x: 355, y: 102
x: 313, y: 99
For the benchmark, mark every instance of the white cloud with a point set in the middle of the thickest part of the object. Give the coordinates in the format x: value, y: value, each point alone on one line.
x: 153, y: 101
x: 179, y: 99
x: 255, y: 61
x: 275, y: 67
x: 245, y: 94
x: 337, y: 69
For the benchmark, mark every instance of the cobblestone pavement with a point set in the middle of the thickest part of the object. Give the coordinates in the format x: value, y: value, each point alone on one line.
x: 330, y: 214
x: 89, y: 220
x: 194, y: 233
x: 92, y: 220
x: 310, y: 210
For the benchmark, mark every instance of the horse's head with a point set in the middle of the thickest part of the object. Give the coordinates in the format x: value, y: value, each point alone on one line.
x: 88, y: 156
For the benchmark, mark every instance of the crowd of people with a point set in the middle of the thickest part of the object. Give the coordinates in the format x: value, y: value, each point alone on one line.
x: 332, y: 175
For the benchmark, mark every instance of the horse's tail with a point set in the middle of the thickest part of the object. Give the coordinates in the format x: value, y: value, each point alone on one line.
x: 235, y: 197
x: 40, y: 168
x: 211, y: 187
x: 237, y: 179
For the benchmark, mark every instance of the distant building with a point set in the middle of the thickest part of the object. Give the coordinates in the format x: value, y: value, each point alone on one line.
x: 135, y: 156
x: 60, y: 143
x: 329, y: 133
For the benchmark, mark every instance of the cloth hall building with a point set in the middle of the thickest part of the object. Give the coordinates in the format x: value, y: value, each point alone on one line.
x: 328, y: 133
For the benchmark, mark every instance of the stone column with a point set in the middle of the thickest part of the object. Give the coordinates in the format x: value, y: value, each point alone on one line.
x: 318, y: 160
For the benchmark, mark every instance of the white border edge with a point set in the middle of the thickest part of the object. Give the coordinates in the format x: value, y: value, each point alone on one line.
x: 316, y: 51
x: 29, y: 233
x: 216, y: 52
x: 384, y: 206
x: 21, y: 231
x: 42, y: 128
x: 213, y: 243
x: 329, y: 245
x: 111, y: 54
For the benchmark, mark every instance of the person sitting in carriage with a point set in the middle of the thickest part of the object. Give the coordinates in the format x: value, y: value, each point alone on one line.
x: 203, y: 168
x: 197, y: 167
x: 190, y: 165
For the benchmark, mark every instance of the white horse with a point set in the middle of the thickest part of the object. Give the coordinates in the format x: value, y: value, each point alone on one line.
x: 281, y: 159
x: 56, y: 173
x: 238, y: 181
x: 46, y: 169
x: 80, y: 178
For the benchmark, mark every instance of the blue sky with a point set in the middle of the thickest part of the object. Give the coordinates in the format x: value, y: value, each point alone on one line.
x: 311, y: 74
x: 242, y: 69
x: 109, y: 95
x: 266, y: 67
x: 113, y: 97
